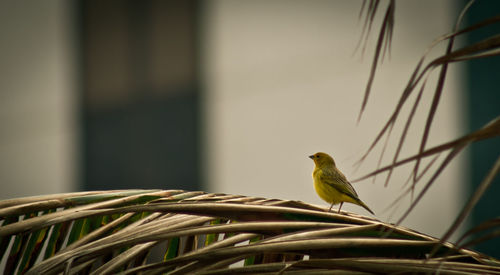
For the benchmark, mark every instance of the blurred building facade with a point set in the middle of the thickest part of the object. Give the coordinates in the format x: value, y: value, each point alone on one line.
x: 140, y: 95
x: 39, y: 133
x: 483, y: 105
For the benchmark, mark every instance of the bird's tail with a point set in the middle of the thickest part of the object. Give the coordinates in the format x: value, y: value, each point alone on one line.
x: 362, y: 204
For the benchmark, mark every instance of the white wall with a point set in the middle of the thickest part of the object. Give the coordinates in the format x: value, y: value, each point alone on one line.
x: 283, y: 83
x: 37, y: 108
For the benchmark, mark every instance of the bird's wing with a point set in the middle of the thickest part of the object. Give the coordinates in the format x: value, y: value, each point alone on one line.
x: 338, y: 181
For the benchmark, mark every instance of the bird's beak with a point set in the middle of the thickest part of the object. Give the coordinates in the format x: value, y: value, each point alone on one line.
x: 311, y: 156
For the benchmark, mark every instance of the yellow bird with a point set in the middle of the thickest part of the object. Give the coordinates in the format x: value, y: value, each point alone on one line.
x: 331, y: 185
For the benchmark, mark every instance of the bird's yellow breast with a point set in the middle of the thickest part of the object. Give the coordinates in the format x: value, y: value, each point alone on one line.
x: 327, y: 192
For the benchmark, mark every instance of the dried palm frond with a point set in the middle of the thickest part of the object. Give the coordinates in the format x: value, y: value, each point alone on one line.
x: 486, y: 48
x: 201, y: 233
x: 383, y: 41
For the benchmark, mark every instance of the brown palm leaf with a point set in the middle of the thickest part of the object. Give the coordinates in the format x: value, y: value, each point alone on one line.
x: 486, y: 48
x: 201, y: 233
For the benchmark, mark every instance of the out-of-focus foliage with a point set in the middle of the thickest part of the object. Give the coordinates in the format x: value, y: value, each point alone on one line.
x: 416, y: 86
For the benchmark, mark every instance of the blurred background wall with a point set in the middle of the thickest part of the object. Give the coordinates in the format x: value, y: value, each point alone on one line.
x: 283, y: 81
x: 140, y: 94
x: 222, y: 96
x: 39, y: 108
x: 483, y: 105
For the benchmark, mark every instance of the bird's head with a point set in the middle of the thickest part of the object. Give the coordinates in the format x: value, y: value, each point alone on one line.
x: 322, y: 159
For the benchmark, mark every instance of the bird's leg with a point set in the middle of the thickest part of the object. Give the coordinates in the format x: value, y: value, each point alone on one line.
x: 330, y: 209
x: 340, y: 206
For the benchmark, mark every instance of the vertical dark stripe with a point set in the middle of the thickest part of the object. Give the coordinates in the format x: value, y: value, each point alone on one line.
x: 139, y: 100
x: 483, y: 94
